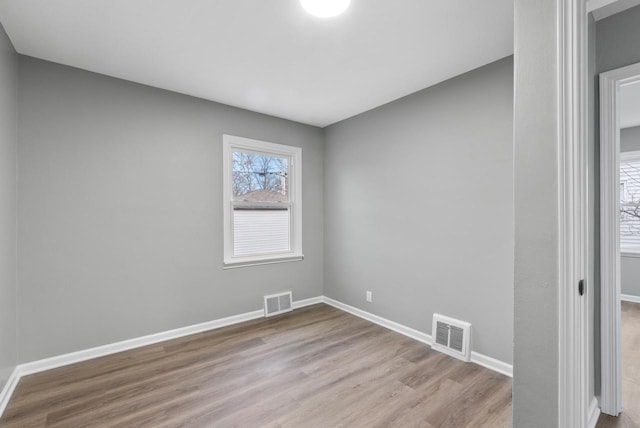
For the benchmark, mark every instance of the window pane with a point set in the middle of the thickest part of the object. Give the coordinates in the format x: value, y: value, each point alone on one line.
x: 262, y: 191
x: 260, y: 178
x: 260, y: 231
x: 630, y: 203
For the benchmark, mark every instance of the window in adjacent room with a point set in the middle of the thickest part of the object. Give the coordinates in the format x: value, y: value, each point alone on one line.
x: 630, y: 202
x: 262, y: 202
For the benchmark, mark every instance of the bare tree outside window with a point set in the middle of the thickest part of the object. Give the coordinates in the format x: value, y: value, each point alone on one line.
x: 630, y: 202
x: 263, y: 202
x: 255, y: 172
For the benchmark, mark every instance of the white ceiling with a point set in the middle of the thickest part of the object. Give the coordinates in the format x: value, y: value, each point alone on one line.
x: 268, y: 56
x: 630, y: 105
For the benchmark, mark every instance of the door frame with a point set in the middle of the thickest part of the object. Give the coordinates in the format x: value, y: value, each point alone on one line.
x: 610, y: 321
x: 573, y: 168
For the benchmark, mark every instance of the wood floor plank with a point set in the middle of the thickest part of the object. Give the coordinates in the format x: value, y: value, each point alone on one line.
x: 463, y: 411
x: 316, y: 367
x: 426, y: 401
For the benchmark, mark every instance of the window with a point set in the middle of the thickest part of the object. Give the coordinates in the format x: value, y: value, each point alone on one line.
x: 630, y: 201
x: 262, y: 202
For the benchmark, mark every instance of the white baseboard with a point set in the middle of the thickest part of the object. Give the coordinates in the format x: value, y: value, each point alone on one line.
x: 492, y: 363
x: 391, y: 325
x: 480, y: 359
x: 630, y: 298
x: 8, y: 389
x: 125, y: 345
x: 308, y: 302
x: 594, y: 413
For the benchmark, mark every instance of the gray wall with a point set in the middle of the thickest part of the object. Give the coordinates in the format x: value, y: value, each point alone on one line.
x: 535, y: 381
x: 419, y: 207
x: 618, y: 40
x: 8, y: 148
x: 630, y: 139
x: 630, y: 265
x: 120, y: 206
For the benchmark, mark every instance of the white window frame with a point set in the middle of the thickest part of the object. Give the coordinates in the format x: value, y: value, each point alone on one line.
x: 629, y: 250
x: 233, y: 143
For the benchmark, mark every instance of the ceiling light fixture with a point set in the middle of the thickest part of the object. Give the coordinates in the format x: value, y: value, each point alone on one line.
x: 325, y: 8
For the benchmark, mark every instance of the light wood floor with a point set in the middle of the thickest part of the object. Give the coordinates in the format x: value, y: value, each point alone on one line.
x: 315, y: 367
x: 630, y: 335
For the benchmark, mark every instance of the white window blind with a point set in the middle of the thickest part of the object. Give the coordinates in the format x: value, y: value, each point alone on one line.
x: 260, y: 231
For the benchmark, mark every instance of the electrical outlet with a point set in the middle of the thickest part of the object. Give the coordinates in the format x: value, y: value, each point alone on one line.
x: 369, y: 296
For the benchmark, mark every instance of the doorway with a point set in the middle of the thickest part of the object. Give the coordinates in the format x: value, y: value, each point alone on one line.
x: 620, y: 241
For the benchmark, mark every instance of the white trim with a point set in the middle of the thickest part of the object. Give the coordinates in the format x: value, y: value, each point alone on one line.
x: 8, y: 389
x: 308, y: 302
x: 611, y: 358
x: 125, y: 345
x: 477, y: 358
x: 391, y: 325
x: 573, y: 340
x: 492, y: 363
x: 594, y: 413
x: 630, y: 298
x: 263, y: 261
x: 294, y: 154
x: 610, y: 401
